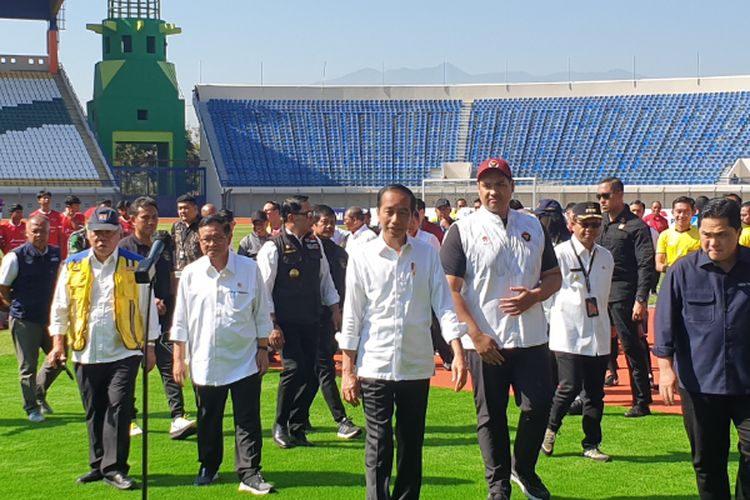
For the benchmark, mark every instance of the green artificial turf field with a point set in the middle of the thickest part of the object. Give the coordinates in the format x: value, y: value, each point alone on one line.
x: 651, y: 455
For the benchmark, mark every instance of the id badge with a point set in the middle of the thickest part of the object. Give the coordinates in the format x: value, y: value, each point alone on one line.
x: 592, y: 308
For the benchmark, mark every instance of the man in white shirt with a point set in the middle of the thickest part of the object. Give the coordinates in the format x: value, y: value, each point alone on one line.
x: 579, y: 329
x: 298, y: 278
x: 223, y: 316
x: 501, y: 266
x: 392, y: 285
x: 102, y: 311
x: 416, y: 232
x: 359, y: 232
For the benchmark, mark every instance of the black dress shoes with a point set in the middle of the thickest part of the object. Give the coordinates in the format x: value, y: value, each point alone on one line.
x: 120, y: 481
x: 91, y: 476
x: 281, y: 437
x: 300, y: 439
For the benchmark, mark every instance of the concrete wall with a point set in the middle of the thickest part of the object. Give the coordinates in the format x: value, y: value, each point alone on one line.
x: 473, y: 92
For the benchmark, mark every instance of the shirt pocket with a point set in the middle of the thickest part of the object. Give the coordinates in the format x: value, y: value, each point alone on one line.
x: 700, y: 306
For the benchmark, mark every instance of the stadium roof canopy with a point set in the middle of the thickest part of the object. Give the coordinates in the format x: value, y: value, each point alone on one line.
x: 41, y: 10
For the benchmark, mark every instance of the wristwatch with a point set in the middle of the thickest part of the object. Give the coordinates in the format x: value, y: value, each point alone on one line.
x: 641, y: 299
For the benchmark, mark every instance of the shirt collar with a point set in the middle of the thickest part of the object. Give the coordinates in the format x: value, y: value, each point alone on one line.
x: 107, y: 262
x: 385, y: 250
x: 743, y: 255
x: 495, y: 218
x: 578, y: 247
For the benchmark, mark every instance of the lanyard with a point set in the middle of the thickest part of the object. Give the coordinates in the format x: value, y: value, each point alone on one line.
x: 586, y: 274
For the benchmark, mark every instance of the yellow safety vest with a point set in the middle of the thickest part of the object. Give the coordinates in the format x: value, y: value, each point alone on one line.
x: 128, y: 319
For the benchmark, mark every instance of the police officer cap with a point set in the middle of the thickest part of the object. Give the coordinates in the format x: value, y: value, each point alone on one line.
x: 587, y: 210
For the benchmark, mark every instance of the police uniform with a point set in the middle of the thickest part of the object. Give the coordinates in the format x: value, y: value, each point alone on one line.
x: 298, y: 279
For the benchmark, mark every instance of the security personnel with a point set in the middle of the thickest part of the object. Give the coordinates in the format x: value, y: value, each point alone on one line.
x: 296, y: 273
x: 628, y: 238
x: 100, y: 308
x: 27, y: 280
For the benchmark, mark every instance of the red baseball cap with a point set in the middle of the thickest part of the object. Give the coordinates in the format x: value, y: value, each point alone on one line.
x: 498, y: 164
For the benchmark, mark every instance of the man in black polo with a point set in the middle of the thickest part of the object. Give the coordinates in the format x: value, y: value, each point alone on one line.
x: 27, y: 282
x: 295, y: 270
x: 702, y: 345
x: 144, y: 214
x: 324, y: 225
x: 628, y: 238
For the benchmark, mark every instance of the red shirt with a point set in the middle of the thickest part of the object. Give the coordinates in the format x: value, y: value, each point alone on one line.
x: 55, y: 226
x: 12, y: 236
x: 127, y: 227
x: 433, y: 228
x: 657, y: 221
x: 70, y: 225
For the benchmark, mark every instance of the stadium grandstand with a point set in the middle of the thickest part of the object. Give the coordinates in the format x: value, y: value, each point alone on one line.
x: 45, y: 140
x: 687, y: 136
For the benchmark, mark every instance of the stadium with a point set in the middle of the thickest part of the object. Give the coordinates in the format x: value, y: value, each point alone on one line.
x: 339, y: 145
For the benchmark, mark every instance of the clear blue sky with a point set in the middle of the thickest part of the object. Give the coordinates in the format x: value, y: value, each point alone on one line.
x: 229, y: 39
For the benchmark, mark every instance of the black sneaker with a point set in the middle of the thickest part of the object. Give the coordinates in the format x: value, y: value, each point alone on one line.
x: 611, y: 380
x: 347, y: 429
x: 256, y: 485
x: 205, y: 477
x: 638, y: 411
x: 532, y: 487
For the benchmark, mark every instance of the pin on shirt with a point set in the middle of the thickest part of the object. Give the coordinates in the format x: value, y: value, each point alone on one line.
x: 413, y: 269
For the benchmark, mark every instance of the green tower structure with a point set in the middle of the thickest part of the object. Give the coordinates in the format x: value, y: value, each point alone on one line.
x: 136, y: 102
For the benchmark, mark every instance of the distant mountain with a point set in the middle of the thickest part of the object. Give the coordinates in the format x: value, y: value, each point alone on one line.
x: 455, y: 75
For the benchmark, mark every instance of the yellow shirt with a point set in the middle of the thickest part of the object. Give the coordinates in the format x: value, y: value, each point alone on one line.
x: 677, y: 244
x: 745, y: 236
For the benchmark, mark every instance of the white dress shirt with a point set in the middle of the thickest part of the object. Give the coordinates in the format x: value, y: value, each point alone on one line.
x: 428, y: 238
x: 499, y: 257
x: 339, y: 236
x: 570, y: 328
x: 388, y: 310
x: 358, y: 238
x: 104, y: 343
x: 221, y: 315
x: 268, y: 262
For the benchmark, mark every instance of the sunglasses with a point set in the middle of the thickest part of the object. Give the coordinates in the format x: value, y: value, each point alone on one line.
x: 604, y: 196
x: 589, y: 225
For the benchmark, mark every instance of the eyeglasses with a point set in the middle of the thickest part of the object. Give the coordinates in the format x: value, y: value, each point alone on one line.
x: 589, y: 225
x: 215, y: 240
x: 305, y: 214
x: 604, y: 196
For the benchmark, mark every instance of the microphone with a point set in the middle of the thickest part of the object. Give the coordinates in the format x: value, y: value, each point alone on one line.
x: 146, y: 269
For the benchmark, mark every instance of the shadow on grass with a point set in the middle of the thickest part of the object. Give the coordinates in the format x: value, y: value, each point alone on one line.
x: 15, y: 426
x: 669, y: 458
x: 281, y: 479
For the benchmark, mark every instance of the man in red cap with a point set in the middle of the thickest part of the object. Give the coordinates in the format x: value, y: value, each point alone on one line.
x: 501, y: 266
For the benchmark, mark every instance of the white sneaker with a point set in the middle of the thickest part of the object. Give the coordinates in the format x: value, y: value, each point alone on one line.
x: 135, y: 430
x: 182, y: 428
x: 596, y: 455
x: 256, y: 485
x: 36, y: 417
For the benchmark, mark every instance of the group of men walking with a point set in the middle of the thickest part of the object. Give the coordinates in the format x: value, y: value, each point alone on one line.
x: 502, y: 295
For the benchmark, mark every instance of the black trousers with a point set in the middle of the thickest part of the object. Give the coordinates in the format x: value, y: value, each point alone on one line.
x: 171, y: 388
x: 621, y: 315
x: 211, y: 401
x: 298, y: 371
x: 575, y: 372
x: 325, y: 370
x: 528, y: 371
x: 379, y: 397
x: 707, y: 419
x: 107, y: 392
